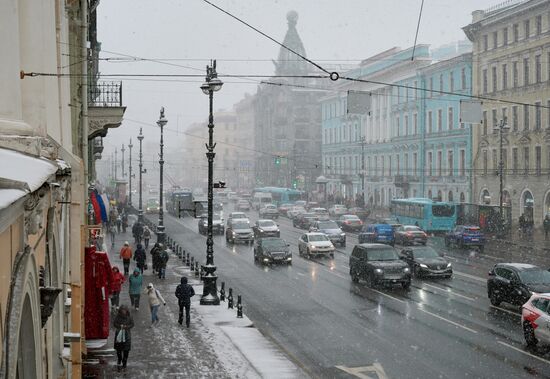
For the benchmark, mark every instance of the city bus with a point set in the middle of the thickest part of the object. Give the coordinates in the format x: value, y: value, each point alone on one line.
x: 179, y: 199
x: 281, y: 195
x: 430, y: 215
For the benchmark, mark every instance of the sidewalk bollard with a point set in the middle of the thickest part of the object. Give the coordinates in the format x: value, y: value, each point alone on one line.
x: 239, y: 307
x: 222, y: 292
x: 188, y: 260
x: 196, y: 269
x: 176, y: 249
x: 192, y: 263
x: 201, y: 272
x: 230, y: 299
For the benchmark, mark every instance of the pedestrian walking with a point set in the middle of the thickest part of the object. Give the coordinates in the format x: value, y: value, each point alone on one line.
x: 146, y: 236
x: 137, y: 231
x: 184, y: 293
x: 546, y: 225
x: 136, y: 283
x: 155, y: 300
x: 118, y: 223
x: 116, y: 285
x: 124, y: 222
x: 140, y: 257
x: 123, y: 324
x: 163, y: 260
x: 155, y: 252
x: 112, y: 233
x: 126, y: 255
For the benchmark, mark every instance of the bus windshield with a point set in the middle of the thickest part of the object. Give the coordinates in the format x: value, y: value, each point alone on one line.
x: 443, y: 210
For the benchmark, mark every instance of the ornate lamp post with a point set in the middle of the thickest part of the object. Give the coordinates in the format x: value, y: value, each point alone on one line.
x: 140, y: 210
x: 501, y: 127
x: 160, y: 228
x: 122, y: 163
x: 210, y: 289
x: 130, y: 172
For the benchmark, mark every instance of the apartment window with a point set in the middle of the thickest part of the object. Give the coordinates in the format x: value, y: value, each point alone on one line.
x: 415, y: 164
x: 538, y: 160
x: 441, y: 82
x: 538, y: 69
x: 406, y: 124
x: 516, y: 32
x: 415, y: 124
x: 397, y: 126
x: 504, y: 76
x: 452, y: 81
x: 430, y: 164
x: 495, y: 119
x: 525, y: 71
x: 504, y: 159
x: 538, y: 116
x: 495, y: 40
x: 515, y: 160
x: 389, y: 164
x: 526, y: 117
x: 505, y: 36
x: 344, y: 133
x: 484, y: 123
x: 398, y: 163
x: 382, y: 161
x: 430, y: 122
x: 406, y: 165
x: 515, y: 74
x: 526, y: 160
x: 485, y: 81
x: 494, y: 78
x: 538, y: 24
x: 439, y: 120
x: 451, y: 118
x: 431, y: 86
x: 463, y: 78
x: 485, y: 42
x: 527, y: 28
x: 415, y: 85
x: 450, y: 162
x: 505, y: 115
x: 485, y: 162
x: 515, y: 118
x: 495, y: 160
x: 439, y: 163
x: 462, y: 163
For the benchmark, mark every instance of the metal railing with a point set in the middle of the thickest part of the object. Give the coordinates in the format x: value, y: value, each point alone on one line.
x: 105, y: 94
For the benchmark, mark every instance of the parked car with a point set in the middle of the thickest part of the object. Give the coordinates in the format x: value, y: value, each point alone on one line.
x: 239, y: 230
x: 465, y: 235
x: 350, y: 223
x: 304, y: 220
x: 283, y: 209
x: 234, y: 215
x: 409, y: 235
x: 378, y: 264
x: 217, y: 224
x: 321, y: 213
x: 266, y: 228
x: 377, y: 233
x: 294, y: 211
x: 242, y: 205
x: 337, y: 210
x: 362, y: 213
x: 425, y: 261
x: 515, y: 283
x: 311, y: 244
x: 535, y: 319
x: 272, y: 250
x: 269, y: 211
x: 331, y: 229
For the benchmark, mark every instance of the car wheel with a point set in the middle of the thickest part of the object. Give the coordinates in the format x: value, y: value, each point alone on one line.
x: 255, y: 257
x: 447, y: 242
x: 344, y: 244
x: 495, y: 300
x: 354, y: 276
x: 529, y: 334
x: 406, y: 285
x: 424, y: 243
x: 416, y: 272
x: 370, y: 281
x: 308, y: 253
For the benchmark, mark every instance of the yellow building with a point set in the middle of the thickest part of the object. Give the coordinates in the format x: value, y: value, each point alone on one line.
x: 511, y: 63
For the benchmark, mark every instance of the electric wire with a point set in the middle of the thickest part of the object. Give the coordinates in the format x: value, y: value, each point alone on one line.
x: 417, y: 28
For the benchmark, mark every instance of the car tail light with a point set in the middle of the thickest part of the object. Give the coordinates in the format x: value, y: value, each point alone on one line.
x: 424, y: 234
x: 409, y: 234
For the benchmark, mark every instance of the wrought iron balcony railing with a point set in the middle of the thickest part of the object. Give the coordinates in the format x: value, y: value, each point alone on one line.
x: 105, y: 94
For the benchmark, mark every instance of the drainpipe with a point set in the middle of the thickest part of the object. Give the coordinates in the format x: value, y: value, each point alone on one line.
x: 84, y: 94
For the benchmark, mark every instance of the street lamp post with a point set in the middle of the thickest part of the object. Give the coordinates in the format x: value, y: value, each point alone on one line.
x: 363, y: 171
x: 140, y: 210
x: 116, y: 167
x: 122, y: 163
x: 210, y: 289
x: 501, y: 127
x: 130, y: 172
x: 160, y: 228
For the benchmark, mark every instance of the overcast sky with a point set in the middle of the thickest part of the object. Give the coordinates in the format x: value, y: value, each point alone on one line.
x: 189, y: 32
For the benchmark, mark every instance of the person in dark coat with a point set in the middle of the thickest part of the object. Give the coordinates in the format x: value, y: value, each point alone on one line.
x: 140, y: 257
x: 162, y: 261
x: 123, y: 324
x: 184, y: 293
x: 155, y: 252
x: 137, y: 231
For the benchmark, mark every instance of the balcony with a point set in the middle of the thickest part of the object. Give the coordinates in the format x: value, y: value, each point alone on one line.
x: 403, y: 181
x: 105, y: 109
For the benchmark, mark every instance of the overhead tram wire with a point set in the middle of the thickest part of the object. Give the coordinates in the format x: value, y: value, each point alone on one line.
x: 417, y: 28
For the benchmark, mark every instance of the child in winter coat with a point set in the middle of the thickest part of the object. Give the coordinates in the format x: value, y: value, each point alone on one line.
x: 116, y: 285
x: 155, y: 300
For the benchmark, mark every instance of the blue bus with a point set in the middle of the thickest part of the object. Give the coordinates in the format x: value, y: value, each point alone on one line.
x: 281, y: 195
x: 430, y: 215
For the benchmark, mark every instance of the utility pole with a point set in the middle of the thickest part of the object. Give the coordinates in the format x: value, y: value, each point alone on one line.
x: 130, y: 172
x: 501, y: 127
x: 122, y: 164
x: 141, y: 172
x: 116, y: 167
x: 363, y: 171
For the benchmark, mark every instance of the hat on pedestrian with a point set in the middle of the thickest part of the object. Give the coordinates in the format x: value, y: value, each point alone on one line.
x: 150, y: 285
x: 126, y: 243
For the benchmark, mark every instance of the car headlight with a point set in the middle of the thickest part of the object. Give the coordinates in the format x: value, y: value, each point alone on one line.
x: 342, y: 234
x: 260, y: 230
x: 378, y: 270
x: 449, y: 265
x: 406, y: 269
x: 423, y: 265
x: 313, y: 247
x: 234, y: 234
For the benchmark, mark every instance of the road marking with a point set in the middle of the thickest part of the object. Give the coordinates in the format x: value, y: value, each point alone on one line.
x: 361, y: 372
x: 470, y: 276
x: 346, y: 267
x: 449, y: 321
x: 506, y: 310
x: 524, y: 352
x: 385, y: 294
x: 450, y: 292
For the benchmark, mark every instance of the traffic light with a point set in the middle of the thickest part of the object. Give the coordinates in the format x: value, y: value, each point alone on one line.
x: 277, y: 161
x: 295, y: 183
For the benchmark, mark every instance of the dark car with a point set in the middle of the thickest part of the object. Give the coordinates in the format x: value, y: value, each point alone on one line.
x: 272, y: 250
x: 409, y: 235
x: 351, y: 223
x: 362, y: 213
x: 266, y: 228
x: 377, y: 233
x: 378, y: 264
x: 515, y: 283
x: 304, y: 220
x: 425, y: 261
x: 331, y: 229
x: 389, y: 221
x: 465, y: 235
x: 217, y: 224
x: 239, y: 230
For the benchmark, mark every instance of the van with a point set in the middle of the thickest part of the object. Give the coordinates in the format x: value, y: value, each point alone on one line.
x: 260, y: 199
x: 377, y: 233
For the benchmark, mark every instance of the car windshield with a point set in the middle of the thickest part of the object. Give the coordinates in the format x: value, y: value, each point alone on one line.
x: 350, y: 217
x: 386, y: 254
x: 238, y: 215
x: 241, y: 225
x: 327, y: 225
x: 275, y: 243
x: 317, y: 237
x: 412, y: 228
x: 425, y: 252
x: 535, y: 276
x: 264, y: 224
x: 320, y: 211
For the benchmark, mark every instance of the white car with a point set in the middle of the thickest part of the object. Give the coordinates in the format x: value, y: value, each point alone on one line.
x: 294, y: 211
x: 243, y: 205
x: 321, y: 213
x: 235, y: 215
x: 311, y: 244
x: 535, y: 319
x: 337, y: 210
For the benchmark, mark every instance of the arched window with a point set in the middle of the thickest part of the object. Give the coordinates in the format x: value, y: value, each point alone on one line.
x: 485, y: 197
x: 527, y: 204
x: 450, y: 198
x: 430, y: 194
x: 462, y: 197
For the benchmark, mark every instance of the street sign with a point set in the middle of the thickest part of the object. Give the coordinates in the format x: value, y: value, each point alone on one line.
x: 359, y: 102
x: 470, y: 111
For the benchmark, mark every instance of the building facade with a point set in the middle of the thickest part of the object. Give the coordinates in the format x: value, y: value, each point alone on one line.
x: 511, y: 55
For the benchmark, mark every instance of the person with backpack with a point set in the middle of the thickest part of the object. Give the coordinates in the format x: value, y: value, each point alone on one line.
x: 155, y: 300
x: 140, y: 257
x: 184, y: 293
x: 123, y: 323
x: 126, y: 255
x: 116, y: 285
x: 136, y: 282
x: 162, y: 261
x: 146, y: 236
x: 155, y: 252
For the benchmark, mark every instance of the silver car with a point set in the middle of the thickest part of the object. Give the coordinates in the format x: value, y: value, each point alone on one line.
x: 311, y: 244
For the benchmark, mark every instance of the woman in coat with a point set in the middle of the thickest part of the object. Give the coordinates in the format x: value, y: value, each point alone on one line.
x: 140, y: 257
x: 136, y: 282
x: 116, y: 285
x: 123, y: 324
x: 155, y: 300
